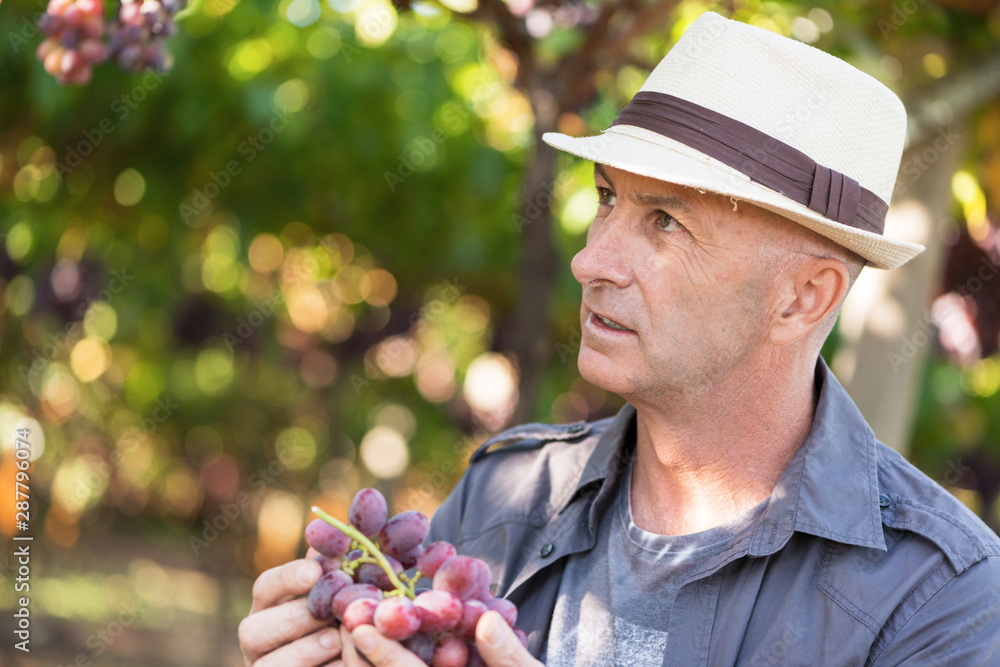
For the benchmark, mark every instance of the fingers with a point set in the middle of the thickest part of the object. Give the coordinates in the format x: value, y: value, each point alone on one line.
x: 272, y: 628
x: 311, y: 554
x: 349, y: 654
x: 315, y: 649
x: 282, y: 583
x: 498, y: 645
x: 382, y: 651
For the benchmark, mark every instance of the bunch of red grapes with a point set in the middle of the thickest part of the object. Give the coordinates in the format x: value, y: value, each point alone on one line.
x: 74, y: 44
x: 138, y: 36
x: 365, y: 582
x: 78, y: 38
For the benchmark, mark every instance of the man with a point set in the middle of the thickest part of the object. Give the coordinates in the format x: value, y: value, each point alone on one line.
x: 738, y: 509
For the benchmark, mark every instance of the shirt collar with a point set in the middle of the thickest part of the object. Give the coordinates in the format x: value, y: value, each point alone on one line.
x: 829, y: 488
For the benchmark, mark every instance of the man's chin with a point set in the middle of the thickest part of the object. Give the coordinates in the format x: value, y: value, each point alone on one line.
x: 603, y: 371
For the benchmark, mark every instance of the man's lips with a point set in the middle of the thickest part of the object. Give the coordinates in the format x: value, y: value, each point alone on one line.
x: 609, y: 323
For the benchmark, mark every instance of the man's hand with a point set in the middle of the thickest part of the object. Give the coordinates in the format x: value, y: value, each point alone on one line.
x: 497, y: 644
x: 279, y: 630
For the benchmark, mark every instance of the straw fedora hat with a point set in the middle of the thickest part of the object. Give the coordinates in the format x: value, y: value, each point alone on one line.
x: 744, y: 112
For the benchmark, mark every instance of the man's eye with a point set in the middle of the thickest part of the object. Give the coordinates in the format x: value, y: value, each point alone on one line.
x: 605, y: 197
x: 667, y: 222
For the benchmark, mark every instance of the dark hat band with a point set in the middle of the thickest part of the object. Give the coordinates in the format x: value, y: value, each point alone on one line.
x: 763, y: 158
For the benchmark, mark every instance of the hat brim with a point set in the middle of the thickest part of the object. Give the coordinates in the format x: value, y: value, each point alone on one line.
x: 646, y: 153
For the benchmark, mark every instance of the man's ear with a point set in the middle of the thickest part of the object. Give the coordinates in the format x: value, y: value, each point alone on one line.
x: 813, y: 292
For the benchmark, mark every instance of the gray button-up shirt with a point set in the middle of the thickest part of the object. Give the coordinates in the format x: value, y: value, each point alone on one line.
x: 859, y: 559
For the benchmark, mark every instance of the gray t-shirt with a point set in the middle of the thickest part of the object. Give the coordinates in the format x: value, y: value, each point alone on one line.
x: 614, y: 601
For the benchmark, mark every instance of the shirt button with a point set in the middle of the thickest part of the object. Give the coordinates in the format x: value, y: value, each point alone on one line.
x: 883, y: 500
x: 546, y: 550
x: 575, y: 428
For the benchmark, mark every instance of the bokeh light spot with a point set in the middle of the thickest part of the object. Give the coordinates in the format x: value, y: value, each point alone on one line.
x: 213, y: 371
x: 130, y: 187
x: 19, y: 240
x: 90, y: 358
x: 384, y: 452
x: 296, y: 448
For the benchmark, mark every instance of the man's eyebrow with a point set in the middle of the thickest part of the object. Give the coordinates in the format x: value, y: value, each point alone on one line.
x: 670, y: 202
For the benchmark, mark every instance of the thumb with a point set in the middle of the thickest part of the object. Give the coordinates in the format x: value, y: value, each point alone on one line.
x: 498, y: 645
x: 380, y: 650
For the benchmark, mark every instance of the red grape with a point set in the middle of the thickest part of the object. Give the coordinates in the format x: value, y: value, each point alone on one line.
x: 475, y: 660
x: 411, y: 557
x: 422, y: 645
x: 484, y: 575
x: 328, y: 564
x: 471, y: 611
x: 451, y: 651
x: 396, y: 618
x: 459, y: 575
x: 438, y: 611
x: 139, y: 31
x: 322, y: 592
x: 372, y: 573
x: 434, y: 557
x: 349, y: 594
x: 368, y: 511
x: 73, y: 46
x: 403, y: 532
x: 327, y: 539
x: 360, y: 612
x: 506, y: 608
x: 436, y: 624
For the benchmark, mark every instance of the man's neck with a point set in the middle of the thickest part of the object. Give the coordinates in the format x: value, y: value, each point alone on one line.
x: 704, y: 459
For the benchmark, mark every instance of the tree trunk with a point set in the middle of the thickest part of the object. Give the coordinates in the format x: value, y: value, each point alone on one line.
x: 539, y: 264
x: 886, y: 321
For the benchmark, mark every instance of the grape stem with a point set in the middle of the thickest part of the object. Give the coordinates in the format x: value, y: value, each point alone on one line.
x: 368, y: 546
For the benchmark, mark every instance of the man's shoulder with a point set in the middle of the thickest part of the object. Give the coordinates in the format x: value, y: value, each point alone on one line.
x: 915, y: 503
x: 536, y: 435
x: 521, y: 475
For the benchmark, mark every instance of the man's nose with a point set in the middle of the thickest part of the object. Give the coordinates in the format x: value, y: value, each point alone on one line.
x: 608, y: 253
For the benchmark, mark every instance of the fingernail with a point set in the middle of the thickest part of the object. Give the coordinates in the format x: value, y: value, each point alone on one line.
x: 495, y: 630
x: 363, y: 639
x: 330, y: 639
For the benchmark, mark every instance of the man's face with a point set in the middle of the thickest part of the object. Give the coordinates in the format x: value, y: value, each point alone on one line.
x: 684, y: 274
